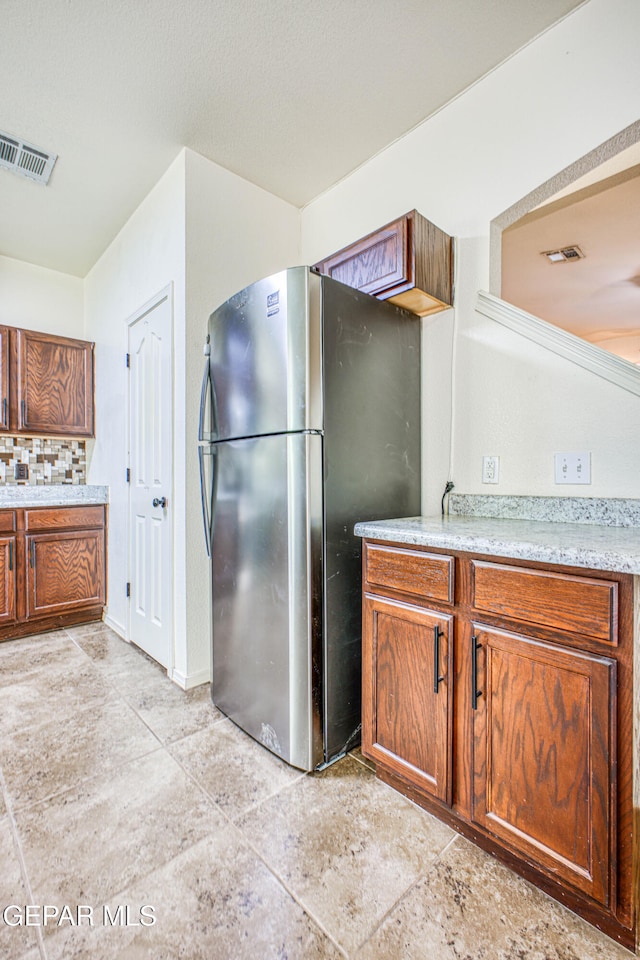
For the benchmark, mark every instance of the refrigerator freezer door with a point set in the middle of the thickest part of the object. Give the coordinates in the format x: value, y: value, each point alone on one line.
x: 266, y: 358
x: 267, y: 591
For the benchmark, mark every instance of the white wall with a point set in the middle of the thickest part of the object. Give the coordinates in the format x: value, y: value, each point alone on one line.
x: 236, y: 233
x: 147, y: 255
x: 567, y: 92
x: 208, y: 233
x: 40, y: 299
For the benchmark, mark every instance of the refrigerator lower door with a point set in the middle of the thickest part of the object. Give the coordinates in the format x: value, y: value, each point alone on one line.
x: 267, y: 591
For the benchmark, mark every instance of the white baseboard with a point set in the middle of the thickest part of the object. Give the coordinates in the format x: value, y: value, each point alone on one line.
x: 191, y: 680
x: 116, y: 627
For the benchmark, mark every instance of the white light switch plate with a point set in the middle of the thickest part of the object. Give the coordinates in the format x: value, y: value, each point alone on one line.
x: 573, y: 467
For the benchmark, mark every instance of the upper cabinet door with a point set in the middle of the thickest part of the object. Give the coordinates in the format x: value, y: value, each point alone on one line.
x: 54, y: 385
x: 4, y: 378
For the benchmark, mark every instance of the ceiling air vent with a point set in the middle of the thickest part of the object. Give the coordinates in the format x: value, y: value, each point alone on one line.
x: 563, y: 254
x: 25, y: 159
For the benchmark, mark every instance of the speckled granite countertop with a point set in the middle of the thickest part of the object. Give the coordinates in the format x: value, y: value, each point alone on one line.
x: 52, y: 495
x: 597, y: 547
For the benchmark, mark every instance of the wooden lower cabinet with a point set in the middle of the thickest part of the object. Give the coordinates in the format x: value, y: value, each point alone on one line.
x: 53, y: 571
x: 544, y: 755
x: 7, y: 580
x: 407, y: 723
x: 519, y: 735
x: 65, y: 571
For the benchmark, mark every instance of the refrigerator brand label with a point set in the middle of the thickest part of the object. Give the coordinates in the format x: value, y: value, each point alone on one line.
x: 273, y: 299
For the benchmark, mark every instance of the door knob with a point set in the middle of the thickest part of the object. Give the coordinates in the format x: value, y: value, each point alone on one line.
x: 159, y: 502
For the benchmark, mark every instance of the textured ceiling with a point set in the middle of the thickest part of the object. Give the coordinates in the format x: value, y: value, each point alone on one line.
x: 290, y: 94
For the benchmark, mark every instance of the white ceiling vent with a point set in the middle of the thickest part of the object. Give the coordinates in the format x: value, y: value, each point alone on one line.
x: 563, y: 254
x: 25, y: 159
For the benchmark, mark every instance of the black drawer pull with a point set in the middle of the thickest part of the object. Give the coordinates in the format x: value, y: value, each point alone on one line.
x: 475, y: 693
x: 437, y: 679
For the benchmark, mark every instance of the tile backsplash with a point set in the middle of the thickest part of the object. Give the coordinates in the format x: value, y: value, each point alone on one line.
x: 50, y: 460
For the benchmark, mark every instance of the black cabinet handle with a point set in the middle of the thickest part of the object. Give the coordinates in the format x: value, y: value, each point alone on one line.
x: 437, y: 679
x: 32, y: 554
x: 23, y: 408
x: 5, y: 418
x: 475, y: 693
x: 10, y: 554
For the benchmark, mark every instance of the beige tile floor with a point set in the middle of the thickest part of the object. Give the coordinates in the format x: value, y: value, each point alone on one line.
x: 119, y: 789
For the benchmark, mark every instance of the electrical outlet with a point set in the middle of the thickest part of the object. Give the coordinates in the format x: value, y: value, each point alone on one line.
x: 21, y: 471
x: 490, y: 469
x: 573, y: 467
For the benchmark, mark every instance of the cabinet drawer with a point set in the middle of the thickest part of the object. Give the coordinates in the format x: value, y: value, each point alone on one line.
x: 63, y: 518
x: 7, y: 521
x: 579, y: 605
x: 425, y: 575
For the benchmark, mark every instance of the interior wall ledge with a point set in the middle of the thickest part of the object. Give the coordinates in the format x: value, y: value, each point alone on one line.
x: 586, y: 355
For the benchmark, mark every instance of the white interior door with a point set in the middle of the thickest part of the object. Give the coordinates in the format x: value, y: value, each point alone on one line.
x: 151, y: 487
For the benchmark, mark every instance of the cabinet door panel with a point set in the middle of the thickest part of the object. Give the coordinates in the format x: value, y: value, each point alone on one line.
x: 55, y: 384
x: 407, y: 716
x: 377, y: 262
x: 544, y: 755
x: 7, y: 579
x: 65, y: 571
x: 4, y: 378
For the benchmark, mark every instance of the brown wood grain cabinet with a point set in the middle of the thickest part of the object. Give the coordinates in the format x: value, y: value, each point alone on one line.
x: 518, y: 735
x: 46, y: 384
x: 7, y: 580
x: 409, y: 679
x: 54, y: 385
x: 52, y: 571
x: 544, y: 755
x: 5, y: 336
x: 408, y: 261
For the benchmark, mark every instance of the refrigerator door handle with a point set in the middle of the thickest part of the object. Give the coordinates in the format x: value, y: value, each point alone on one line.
x: 206, y: 392
x: 207, y: 498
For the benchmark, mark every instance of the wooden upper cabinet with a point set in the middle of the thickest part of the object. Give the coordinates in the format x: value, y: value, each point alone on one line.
x: 5, y: 333
x: 544, y: 755
x: 408, y: 261
x: 53, y: 385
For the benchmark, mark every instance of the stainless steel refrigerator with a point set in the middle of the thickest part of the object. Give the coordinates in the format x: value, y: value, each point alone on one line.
x: 309, y: 422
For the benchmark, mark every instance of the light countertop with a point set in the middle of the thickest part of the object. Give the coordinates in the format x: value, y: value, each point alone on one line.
x: 572, y: 544
x: 52, y: 495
